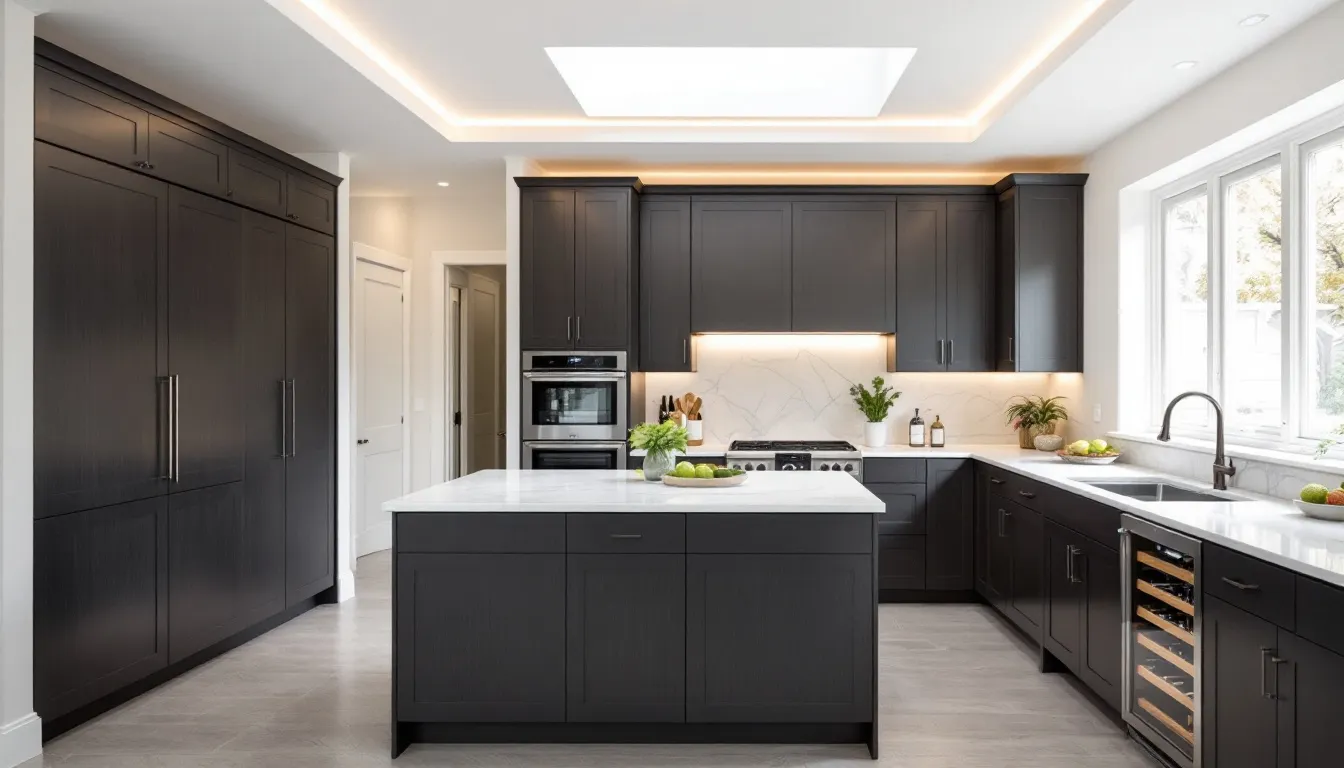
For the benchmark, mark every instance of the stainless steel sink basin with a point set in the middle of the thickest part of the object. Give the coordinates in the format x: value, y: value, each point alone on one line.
x: 1157, y: 490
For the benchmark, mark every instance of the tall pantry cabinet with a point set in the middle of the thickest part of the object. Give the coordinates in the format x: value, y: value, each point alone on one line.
x: 184, y: 371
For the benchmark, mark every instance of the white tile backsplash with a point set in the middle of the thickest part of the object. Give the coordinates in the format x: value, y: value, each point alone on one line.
x: 782, y: 387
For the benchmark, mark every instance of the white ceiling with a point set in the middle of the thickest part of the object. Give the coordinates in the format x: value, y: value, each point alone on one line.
x: 274, y: 69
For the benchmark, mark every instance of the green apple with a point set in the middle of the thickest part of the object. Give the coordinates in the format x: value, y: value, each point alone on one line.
x: 705, y: 472
x: 684, y: 469
x: 1098, y: 446
x: 1079, y: 448
x: 1314, y: 493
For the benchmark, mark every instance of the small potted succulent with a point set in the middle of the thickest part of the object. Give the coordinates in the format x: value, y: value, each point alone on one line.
x: 660, y: 442
x: 874, y: 404
x: 1034, y: 416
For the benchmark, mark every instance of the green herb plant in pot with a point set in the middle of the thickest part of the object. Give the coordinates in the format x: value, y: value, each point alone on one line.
x: 874, y: 404
x: 661, y: 442
x: 1032, y: 416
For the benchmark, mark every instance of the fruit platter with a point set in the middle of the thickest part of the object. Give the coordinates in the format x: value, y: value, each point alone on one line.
x: 688, y: 475
x: 1322, y: 503
x: 1088, y: 452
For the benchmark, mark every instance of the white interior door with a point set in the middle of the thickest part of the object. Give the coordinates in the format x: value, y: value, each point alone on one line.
x: 482, y: 334
x: 380, y: 427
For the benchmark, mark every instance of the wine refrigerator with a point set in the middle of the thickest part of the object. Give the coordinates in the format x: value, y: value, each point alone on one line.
x: 1162, y: 664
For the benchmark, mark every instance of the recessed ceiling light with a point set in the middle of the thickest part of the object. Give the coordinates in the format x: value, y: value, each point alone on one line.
x: 731, y: 82
x: 443, y: 183
x: 1251, y: 21
x: 1187, y: 64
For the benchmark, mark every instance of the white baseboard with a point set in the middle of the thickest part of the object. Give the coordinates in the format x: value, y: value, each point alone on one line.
x: 345, y: 586
x: 20, y: 740
x: 374, y: 539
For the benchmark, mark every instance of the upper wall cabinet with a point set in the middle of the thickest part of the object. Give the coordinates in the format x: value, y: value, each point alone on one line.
x: 741, y: 265
x: 1040, y: 262
x: 665, y: 342
x: 89, y: 120
x: 578, y: 277
x: 844, y: 266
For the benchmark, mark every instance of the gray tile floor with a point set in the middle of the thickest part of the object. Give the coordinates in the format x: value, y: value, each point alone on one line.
x: 958, y: 690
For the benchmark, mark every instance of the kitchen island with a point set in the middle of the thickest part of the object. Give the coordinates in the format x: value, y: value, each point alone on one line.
x: 592, y: 606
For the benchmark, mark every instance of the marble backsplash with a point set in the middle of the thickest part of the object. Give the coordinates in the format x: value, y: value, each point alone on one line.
x: 1280, y: 480
x: 797, y: 387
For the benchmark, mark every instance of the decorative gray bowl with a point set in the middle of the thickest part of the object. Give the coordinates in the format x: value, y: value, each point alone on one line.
x: 1048, y: 442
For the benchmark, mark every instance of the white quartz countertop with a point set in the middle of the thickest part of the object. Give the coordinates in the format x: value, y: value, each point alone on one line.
x: 1262, y: 527
x: 512, y: 490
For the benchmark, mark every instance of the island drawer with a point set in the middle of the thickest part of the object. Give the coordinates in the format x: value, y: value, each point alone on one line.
x: 626, y: 533
x: 779, y: 533
x: 1320, y: 613
x: 894, y: 470
x: 483, y: 532
x: 1250, y: 584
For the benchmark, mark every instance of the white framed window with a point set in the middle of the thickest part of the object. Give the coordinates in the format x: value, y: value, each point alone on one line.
x: 1248, y: 281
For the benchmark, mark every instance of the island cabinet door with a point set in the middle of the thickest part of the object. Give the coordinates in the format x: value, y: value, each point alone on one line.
x: 779, y: 638
x: 480, y: 638
x: 627, y: 638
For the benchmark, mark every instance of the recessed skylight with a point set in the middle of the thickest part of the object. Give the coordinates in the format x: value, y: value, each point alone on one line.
x: 731, y: 82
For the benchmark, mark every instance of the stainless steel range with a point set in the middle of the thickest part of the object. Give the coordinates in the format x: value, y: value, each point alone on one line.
x: 796, y: 456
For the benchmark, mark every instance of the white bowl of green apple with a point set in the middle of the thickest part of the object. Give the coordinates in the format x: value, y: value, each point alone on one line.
x: 1088, y: 452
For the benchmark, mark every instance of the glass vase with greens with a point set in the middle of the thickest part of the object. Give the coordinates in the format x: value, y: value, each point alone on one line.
x: 661, y: 443
x: 1033, y: 415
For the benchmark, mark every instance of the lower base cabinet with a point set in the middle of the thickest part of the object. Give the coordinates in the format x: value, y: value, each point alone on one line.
x: 626, y: 625
x: 205, y: 567
x: 779, y: 638
x: 100, y: 583
x: 1310, y: 697
x: 1026, y: 599
x: 1083, y: 610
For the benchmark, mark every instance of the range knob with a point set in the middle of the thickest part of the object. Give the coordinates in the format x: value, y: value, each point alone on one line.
x: 737, y: 466
x: 760, y: 467
x: 849, y: 467
x: 824, y: 467
x: 747, y: 468
x: 836, y: 467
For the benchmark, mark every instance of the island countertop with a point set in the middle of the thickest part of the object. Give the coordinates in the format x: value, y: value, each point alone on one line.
x: 512, y: 490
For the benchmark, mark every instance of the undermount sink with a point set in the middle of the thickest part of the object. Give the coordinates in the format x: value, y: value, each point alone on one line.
x: 1157, y: 490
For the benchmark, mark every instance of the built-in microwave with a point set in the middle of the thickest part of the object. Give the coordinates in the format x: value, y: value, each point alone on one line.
x: 575, y: 396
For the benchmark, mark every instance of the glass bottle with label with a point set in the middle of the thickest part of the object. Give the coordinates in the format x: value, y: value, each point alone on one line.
x: 917, y: 431
x: 936, y: 433
x: 662, y: 409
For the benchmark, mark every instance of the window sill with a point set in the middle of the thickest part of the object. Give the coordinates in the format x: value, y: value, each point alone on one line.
x: 1281, y: 457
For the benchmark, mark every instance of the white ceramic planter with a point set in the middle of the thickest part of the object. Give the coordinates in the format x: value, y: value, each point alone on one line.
x: 875, y: 434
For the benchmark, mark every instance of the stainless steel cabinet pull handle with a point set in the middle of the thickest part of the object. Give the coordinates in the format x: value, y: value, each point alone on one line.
x: 1265, y: 655
x: 1243, y: 586
x: 1003, y: 523
x: 1026, y: 494
x: 1275, y: 661
x: 1073, y: 564
x: 284, y: 419
x: 685, y: 355
x: 293, y: 418
x: 1011, y: 350
x: 163, y: 386
x: 176, y: 388
x: 951, y: 351
x: 578, y: 327
x: 569, y: 327
x: 1068, y: 562
x: 996, y: 481
x: 627, y: 535
x: 940, y: 351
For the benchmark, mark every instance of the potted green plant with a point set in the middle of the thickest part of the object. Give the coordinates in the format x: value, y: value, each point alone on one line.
x: 1033, y: 415
x: 874, y: 404
x: 660, y: 442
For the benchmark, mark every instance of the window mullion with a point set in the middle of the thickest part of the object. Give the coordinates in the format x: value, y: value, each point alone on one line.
x: 1297, y: 296
x: 1217, y: 288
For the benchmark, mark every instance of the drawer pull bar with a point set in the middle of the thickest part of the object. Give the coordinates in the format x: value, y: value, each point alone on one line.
x: 995, y: 480
x: 627, y: 535
x: 1243, y: 586
x: 1026, y: 494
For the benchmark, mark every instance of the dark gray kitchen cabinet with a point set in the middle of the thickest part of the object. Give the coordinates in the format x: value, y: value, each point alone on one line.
x: 205, y: 315
x: 741, y: 265
x: 257, y: 183
x: 1062, y: 634
x: 1310, y: 691
x: 900, y: 564
x: 665, y: 342
x: 944, y: 278
x: 310, y: 203
x: 844, y: 266
x: 1026, y: 534
x: 1239, y: 715
x: 577, y: 274
x: 310, y: 465
x: 205, y: 567
x: 907, y: 507
x: 504, y: 612
x: 100, y: 588
x: 100, y: 271
x: 602, y: 269
x: 187, y: 157
x: 547, y: 268
x: 1083, y: 609
x: 998, y: 553
x: 1039, y: 265
x: 750, y: 619
x: 89, y: 120
x: 949, y: 525
x: 626, y: 629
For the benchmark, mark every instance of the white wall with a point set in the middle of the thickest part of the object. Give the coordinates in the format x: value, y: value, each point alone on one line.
x: 1260, y: 96
x: 382, y: 222
x: 20, y: 729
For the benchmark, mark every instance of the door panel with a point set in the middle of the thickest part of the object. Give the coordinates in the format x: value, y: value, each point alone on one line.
x: 310, y: 340
x: 906, y: 507
x: 1049, y: 263
x: 1026, y: 534
x: 969, y: 301
x: 741, y: 265
x: 205, y: 303
x: 185, y: 157
x: 76, y: 116
x: 1238, y: 718
x: 484, y: 387
x: 601, y: 269
x: 950, y: 524
x: 100, y: 333
x: 1311, y: 696
x: 100, y: 589
x: 257, y: 183
x: 1099, y: 665
x: 379, y: 352
x: 547, y: 268
x: 310, y: 203
x: 264, y: 417
x: 1006, y: 276
x: 205, y: 567
x: 626, y: 638
x: 1063, y: 630
x: 844, y: 266
x: 665, y: 285
x: 921, y: 252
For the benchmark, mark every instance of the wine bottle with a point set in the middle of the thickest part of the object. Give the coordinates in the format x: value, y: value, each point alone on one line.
x: 916, y: 431
x: 936, y: 433
x: 662, y: 409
